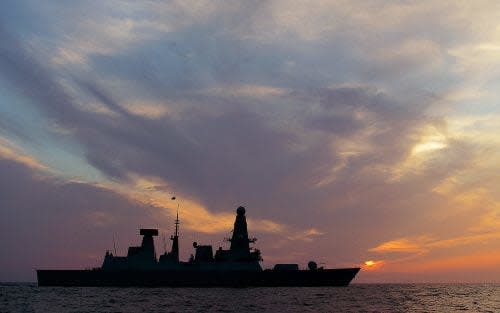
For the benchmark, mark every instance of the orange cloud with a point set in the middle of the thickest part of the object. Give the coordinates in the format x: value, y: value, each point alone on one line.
x: 404, y: 245
x: 424, y: 244
x: 462, y: 262
x: 306, y: 235
x: 418, y: 254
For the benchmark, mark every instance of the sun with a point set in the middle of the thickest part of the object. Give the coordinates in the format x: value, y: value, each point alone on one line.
x: 372, y: 265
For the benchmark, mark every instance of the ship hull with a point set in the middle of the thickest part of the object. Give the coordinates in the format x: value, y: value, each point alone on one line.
x: 169, y: 278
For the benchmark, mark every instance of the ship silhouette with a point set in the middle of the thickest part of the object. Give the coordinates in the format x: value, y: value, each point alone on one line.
x: 239, y: 266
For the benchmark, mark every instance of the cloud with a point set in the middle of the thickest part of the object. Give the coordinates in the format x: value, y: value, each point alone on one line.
x: 232, y: 151
x: 148, y: 110
x: 323, y: 120
x: 10, y: 152
x: 154, y: 192
x: 402, y: 245
x: 47, y: 223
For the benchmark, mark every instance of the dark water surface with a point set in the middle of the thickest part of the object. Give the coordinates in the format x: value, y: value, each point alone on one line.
x: 355, y: 298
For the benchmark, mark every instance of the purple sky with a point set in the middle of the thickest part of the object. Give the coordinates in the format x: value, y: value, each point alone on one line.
x: 352, y: 132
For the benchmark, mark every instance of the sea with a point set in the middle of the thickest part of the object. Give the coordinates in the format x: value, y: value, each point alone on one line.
x: 24, y: 297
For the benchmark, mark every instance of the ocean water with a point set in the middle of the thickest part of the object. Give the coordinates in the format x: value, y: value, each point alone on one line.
x: 355, y: 298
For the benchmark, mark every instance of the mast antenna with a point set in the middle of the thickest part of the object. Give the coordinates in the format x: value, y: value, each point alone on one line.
x: 114, y: 243
x: 177, y: 221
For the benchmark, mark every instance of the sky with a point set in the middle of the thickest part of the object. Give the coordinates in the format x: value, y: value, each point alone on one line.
x: 355, y: 133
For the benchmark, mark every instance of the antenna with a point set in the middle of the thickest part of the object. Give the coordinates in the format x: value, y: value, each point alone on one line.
x: 114, y: 243
x: 176, y: 234
x: 177, y: 221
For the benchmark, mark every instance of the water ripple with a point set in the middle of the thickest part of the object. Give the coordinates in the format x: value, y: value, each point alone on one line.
x: 368, y: 298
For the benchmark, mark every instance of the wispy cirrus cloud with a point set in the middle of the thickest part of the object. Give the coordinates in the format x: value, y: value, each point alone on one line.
x: 9, y: 151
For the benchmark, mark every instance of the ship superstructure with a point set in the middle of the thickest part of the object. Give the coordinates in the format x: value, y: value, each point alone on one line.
x: 237, y: 266
x: 239, y: 256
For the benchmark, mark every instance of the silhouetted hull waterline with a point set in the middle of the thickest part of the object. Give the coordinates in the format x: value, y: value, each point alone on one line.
x: 170, y: 278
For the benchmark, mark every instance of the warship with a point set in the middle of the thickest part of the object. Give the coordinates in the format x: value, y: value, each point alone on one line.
x: 239, y: 266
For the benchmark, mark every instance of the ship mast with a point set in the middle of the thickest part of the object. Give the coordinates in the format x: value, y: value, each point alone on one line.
x: 177, y: 222
x: 175, y: 238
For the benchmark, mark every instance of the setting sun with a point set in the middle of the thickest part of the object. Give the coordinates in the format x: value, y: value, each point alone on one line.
x: 372, y: 265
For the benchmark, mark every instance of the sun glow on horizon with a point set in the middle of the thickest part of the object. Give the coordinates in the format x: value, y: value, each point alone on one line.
x: 370, y: 265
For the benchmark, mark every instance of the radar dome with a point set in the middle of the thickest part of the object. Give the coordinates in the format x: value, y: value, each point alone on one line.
x: 312, y: 265
x: 240, y: 210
